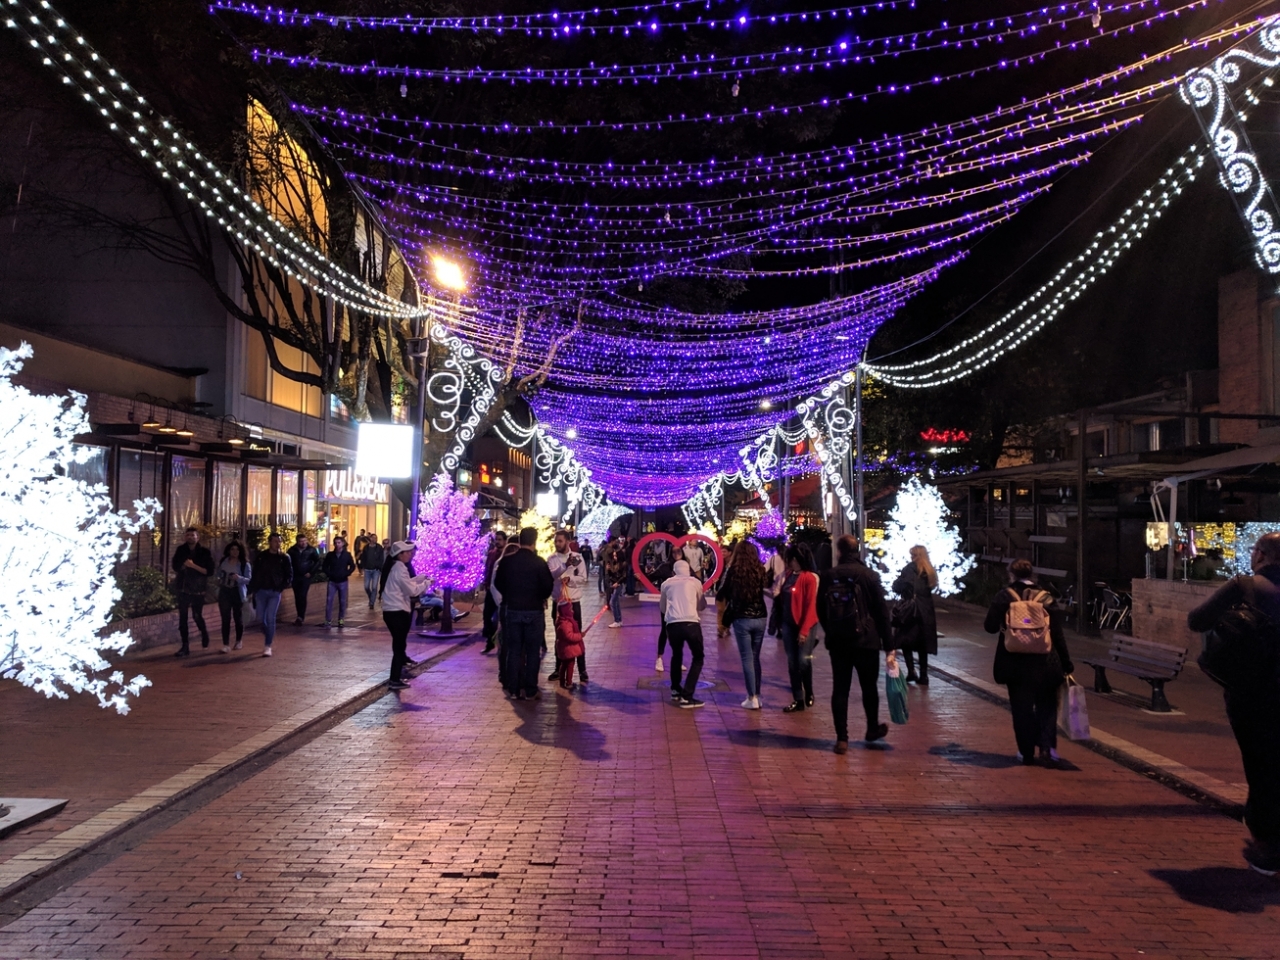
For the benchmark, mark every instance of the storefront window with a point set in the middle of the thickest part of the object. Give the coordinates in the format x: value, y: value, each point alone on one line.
x: 186, y: 497
x: 142, y: 477
x: 226, y: 501
x: 258, y: 506
x: 287, y: 498
x: 95, y: 468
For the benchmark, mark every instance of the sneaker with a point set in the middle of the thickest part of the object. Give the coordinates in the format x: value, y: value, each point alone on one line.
x: 676, y: 694
x: 615, y: 625
x: 584, y: 679
x: 371, y: 606
x: 879, y: 733
x: 1260, y: 860
x: 658, y: 666
x: 327, y: 624
x: 297, y: 621
x: 397, y: 685
x: 238, y: 645
x: 553, y: 675
x: 689, y: 703
x: 225, y: 648
x: 342, y: 623
x: 266, y: 651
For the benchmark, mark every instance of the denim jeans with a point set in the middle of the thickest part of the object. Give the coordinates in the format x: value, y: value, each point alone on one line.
x: 615, y: 602
x: 338, y: 590
x: 523, y: 637
x: 194, y: 603
x: 267, y: 603
x: 231, y: 607
x: 750, y: 637
x: 799, y: 666
x: 371, y: 585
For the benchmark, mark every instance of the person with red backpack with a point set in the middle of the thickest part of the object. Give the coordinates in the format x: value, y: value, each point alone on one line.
x: 1031, y: 660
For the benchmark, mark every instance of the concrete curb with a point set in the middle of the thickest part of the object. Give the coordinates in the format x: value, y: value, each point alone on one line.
x: 30, y: 866
x: 1227, y: 797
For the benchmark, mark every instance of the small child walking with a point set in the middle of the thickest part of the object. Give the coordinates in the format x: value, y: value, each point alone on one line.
x: 569, y: 644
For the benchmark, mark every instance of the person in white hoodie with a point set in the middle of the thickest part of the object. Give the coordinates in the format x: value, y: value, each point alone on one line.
x: 681, y: 603
x: 398, y: 594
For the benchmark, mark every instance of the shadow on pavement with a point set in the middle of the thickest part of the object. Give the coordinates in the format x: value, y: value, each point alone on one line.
x: 1229, y: 889
x: 783, y: 741
x: 977, y: 758
x: 619, y: 700
x: 561, y: 730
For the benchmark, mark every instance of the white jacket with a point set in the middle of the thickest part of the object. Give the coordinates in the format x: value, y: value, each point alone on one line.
x: 682, y: 599
x: 401, y: 588
x: 577, y: 573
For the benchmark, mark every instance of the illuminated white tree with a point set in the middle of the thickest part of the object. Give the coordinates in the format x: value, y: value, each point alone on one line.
x: 593, y: 529
x: 919, y: 517
x: 60, y: 540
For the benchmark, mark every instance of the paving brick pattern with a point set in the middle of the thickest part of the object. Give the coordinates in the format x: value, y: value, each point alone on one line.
x: 449, y: 822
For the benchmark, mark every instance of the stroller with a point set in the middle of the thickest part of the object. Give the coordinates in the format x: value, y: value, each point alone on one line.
x: 569, y: 645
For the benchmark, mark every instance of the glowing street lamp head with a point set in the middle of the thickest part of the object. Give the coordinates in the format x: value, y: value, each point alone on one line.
x: 449, y: 274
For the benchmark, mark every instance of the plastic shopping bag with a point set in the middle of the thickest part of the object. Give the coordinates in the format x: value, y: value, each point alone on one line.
x: 1073, y: 713
x: 895, y: 688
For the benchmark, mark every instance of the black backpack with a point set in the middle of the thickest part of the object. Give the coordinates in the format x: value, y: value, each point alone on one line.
x: 1241, y: 651
x: 846, y: 614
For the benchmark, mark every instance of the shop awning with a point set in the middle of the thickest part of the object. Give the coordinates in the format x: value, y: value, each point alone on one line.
x: 1232, y: 460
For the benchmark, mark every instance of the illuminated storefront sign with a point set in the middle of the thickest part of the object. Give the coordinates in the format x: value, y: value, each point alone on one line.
x: 351, y: 487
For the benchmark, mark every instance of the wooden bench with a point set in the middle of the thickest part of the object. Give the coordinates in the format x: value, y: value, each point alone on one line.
x: 1155, y: 663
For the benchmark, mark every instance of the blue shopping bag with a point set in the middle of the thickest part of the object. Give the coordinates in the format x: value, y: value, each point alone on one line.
x: 895, y: 688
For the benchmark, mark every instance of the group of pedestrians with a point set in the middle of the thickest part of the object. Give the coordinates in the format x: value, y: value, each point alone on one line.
x: 264, y: 580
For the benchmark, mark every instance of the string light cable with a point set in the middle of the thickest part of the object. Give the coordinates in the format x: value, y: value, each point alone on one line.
x: 1048, y: 302
x: 797, y: 59
x: 160, y: 143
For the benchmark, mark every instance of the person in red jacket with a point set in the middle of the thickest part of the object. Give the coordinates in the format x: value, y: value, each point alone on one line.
x: 799, y: 599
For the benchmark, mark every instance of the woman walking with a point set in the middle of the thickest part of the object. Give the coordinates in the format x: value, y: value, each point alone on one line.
x: 398, y: 593
x: 914, y: 619
x: 1033, y: 678
x: 743, y: 593
x: 234, y: 573
x: 799, y: 599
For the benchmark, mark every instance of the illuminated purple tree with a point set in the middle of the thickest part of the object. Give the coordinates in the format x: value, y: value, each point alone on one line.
x: 451, y: 545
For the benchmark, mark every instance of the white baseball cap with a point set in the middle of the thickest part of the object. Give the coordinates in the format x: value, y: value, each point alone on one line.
x: 401, y: 546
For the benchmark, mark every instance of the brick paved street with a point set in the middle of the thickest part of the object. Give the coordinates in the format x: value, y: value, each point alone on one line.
x: 449, y: 822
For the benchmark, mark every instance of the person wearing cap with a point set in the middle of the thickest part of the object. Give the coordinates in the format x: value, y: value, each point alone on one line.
x: 524, y: 582
x: 398, y: 593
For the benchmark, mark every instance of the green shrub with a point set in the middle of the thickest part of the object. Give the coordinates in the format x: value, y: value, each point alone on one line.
x: 983, y: 583
x: 142, y: 592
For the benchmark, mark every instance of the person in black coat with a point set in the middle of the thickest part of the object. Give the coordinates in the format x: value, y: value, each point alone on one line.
x: 192, y: 565
x: 854, y: 646
x: 1255, y: 715
x: 1033, y: 679
x: 306, y: 562
x: 918, y: 632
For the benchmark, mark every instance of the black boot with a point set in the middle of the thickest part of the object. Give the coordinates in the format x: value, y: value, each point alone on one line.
x: 183, y: 651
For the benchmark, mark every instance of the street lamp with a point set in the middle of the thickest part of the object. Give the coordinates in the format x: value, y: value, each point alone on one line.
x: 449, y: 274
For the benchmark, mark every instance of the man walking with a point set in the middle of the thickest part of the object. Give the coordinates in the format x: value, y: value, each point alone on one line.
x: 370, y: 560
x: 497, y: 545
x: 306, y: 561
x: 1254, y: 710
x: 338, y: 566
x: 272, y: 572
x: 854, y: 616
x: 192, y: 565
x: 569, y: 571
x: 524, y: 581
x: 681, y: 603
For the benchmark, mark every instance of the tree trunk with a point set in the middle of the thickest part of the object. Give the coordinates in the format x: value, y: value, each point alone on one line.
x: 446, y: 612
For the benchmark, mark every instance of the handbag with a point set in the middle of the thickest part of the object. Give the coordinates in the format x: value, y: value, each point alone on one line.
x: 906, y: 611
x: 895, y: 688
x: 1240, y: 651
x: 1073, y: 712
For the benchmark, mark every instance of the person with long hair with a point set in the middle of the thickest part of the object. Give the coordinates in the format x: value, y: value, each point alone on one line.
x: 799, y: 599
x: 234, y: 574
x: 915, y: 620
x: 745, y: 584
